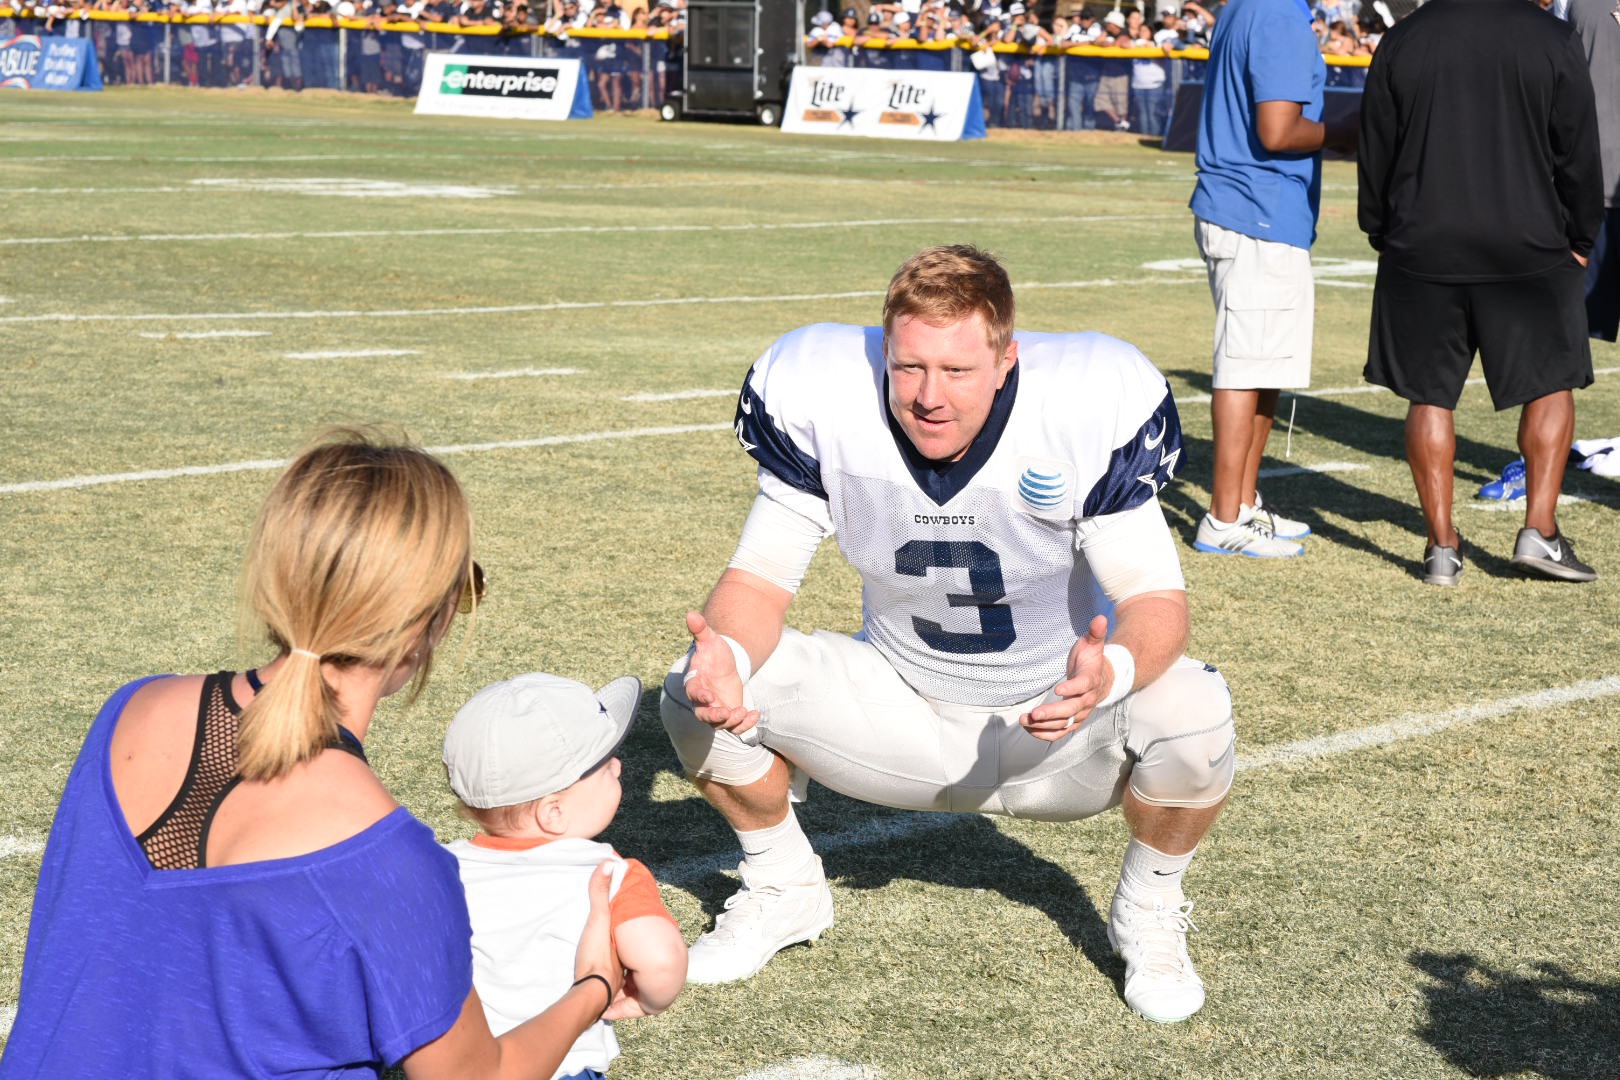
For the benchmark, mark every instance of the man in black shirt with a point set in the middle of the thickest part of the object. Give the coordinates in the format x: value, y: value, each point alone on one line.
x: 1482, y: 192
x: 1598, y: 26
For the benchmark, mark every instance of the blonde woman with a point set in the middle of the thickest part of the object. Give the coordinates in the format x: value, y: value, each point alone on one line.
x: 229, y: 889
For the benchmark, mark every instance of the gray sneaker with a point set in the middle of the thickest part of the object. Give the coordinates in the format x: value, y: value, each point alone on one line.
x: 1553, y: 557
x: 1443, y: 565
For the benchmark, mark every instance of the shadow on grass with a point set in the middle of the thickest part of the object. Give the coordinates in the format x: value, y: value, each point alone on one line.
x: 862, y: 846
x: 1489, y: 1022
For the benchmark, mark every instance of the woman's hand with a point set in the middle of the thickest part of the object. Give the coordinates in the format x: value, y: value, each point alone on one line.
x: 596, y: 955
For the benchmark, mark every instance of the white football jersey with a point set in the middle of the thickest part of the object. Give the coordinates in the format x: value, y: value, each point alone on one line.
x: 972, y: 584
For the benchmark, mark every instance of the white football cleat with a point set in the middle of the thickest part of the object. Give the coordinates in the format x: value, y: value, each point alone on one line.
x: 1160, y: 983
x: 758, y: 922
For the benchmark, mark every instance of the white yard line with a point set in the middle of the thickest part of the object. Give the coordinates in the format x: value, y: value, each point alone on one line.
x: 8, y: 1016
x: 73, y: 482
x: 199, y: 334
x: 518, y: 309
x: 515, y: 373
x: 1323, y: 467
x: 1414, y: 725
x: 266, y: 465
x: 17, y: 845
x: 1517, y: 505
x: 347, y: 234
x: 99, y: 191
x: 814, y: 1068
x: 680, y: 395
x: 1346, y: 391
x: 349, y: 354
x: 200, y: 189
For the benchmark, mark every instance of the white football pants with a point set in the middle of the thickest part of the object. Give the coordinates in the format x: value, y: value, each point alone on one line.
x: 835, y: 709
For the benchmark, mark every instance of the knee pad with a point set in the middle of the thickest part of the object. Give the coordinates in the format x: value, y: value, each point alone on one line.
x: 1182, y: 738
x: 706, y: 752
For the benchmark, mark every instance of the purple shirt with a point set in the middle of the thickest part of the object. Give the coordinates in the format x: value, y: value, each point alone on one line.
x: 330, y: 964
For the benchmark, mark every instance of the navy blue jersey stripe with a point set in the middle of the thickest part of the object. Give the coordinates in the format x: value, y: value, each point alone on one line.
x: 1140, y: 468
x: 770, y: 446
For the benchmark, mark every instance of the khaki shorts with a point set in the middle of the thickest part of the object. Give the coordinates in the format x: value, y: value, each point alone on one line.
x: 1265, y: 304
x: 1113, y: 95
x: 841, y: 715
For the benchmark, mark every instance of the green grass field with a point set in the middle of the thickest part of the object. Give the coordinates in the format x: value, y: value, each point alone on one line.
x: 1431, y: 900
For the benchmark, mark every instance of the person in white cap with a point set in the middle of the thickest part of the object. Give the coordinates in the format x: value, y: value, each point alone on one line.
x: 1113, y: 100
x: 534, y: 762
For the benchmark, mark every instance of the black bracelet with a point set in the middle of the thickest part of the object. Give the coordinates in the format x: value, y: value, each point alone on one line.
x: 605, y: 985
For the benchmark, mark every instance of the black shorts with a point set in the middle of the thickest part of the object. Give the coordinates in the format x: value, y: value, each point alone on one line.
x: 1603, y: 280
x: 1530, y: 334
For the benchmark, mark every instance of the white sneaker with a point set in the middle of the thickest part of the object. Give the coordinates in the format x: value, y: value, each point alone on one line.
x: 1160, y: 983
x: 1250, y: 535
x: 757, y: 923
x: 1282, y: 528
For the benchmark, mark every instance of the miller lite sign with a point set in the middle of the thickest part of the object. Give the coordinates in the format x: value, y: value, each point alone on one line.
x: 942, y: 105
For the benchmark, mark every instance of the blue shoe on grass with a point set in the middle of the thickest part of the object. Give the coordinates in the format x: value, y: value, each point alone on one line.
x: 1510, y: 485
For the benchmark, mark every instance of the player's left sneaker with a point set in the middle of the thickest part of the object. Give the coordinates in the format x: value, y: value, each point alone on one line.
x: 1281, y: 527
x: 758, y: 922
x: 1160, y: 983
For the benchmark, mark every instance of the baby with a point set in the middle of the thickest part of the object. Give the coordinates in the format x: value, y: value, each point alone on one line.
x: 533, y: 761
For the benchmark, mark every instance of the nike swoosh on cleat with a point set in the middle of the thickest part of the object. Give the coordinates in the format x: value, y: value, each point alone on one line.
x: 1554, y: 550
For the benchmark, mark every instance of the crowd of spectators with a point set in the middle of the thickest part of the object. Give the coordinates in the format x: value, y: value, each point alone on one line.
x: 1040, y: 85
x: 203, y: 46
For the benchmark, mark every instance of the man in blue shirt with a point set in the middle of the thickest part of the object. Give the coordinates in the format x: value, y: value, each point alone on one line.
x: 1259, y: 185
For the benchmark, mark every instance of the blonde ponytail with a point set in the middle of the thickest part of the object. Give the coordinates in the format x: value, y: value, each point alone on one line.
x: 292, y: 719
x: 359, y: 552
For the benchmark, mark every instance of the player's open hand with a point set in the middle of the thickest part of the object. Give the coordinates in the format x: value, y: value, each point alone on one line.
x: 713, y: 684
x: 1090, y: 675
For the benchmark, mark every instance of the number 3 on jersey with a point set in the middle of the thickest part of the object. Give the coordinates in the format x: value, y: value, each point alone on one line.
x: 916, y: 557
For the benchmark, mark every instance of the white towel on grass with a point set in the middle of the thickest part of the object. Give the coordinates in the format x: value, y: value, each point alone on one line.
x: 1601, y: 457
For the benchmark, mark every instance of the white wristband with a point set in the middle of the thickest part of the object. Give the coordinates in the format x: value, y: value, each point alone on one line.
x: 1124, y: 665
x: 745, y: 666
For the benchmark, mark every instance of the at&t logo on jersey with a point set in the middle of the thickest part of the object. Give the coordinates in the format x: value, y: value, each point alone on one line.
x: 1045, y: 487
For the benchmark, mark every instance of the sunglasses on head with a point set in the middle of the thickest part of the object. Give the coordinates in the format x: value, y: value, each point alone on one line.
x: 472, y: 590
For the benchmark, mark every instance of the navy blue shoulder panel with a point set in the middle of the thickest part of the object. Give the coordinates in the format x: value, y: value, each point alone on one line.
x: 1140, y: 468
x: 770, y: 446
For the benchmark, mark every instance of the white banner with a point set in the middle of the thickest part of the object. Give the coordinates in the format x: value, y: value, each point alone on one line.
x: 943, y: 105
x: 455, y: 84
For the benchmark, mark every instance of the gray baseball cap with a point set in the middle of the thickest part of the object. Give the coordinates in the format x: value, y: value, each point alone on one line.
x: 534, y: 735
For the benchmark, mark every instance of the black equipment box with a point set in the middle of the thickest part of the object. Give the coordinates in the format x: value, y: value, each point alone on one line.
x: 736, y: 60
